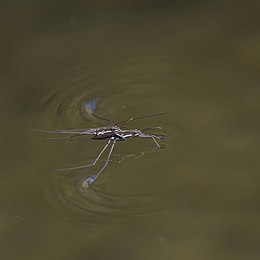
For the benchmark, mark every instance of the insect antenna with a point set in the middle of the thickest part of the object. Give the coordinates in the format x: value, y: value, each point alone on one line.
x: 122, y: 123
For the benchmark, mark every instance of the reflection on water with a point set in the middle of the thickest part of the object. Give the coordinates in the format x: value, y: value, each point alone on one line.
x: 195, y: 199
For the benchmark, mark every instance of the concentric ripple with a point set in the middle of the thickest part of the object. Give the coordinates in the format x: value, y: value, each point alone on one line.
x: 67, y: 195
x: 124, y: 86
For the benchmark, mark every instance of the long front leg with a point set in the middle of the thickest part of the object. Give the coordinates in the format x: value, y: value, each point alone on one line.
x: 87, y: 165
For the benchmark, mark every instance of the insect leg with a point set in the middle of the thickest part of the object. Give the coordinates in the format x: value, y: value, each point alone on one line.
x: 61, y: 138
x: 153, y: 136
x: 122, y: 123
x: 76, y: 131
x: 158, y: 145
x: 87, y: 165
x: 107, y: 160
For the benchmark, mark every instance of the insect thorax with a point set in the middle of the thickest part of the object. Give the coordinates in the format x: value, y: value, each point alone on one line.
x: 107, y: 132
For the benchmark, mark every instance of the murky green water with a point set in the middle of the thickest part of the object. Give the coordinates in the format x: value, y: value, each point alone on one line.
x: 198, y: 197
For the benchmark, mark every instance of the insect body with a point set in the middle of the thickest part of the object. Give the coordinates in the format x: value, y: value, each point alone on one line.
x: 112, y: 133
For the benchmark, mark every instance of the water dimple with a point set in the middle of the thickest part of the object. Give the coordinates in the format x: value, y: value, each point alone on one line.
x: 68, y: 196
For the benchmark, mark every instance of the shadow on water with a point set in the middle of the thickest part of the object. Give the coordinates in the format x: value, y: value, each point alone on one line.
x: 197, y: 198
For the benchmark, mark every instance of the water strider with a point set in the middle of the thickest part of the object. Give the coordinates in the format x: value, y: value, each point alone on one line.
x: 112, y: 133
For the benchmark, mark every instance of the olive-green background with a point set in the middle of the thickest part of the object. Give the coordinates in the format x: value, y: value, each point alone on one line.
x: 198, y: 197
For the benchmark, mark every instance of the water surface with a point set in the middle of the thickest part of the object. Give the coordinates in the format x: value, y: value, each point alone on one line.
x: 197, y: 198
